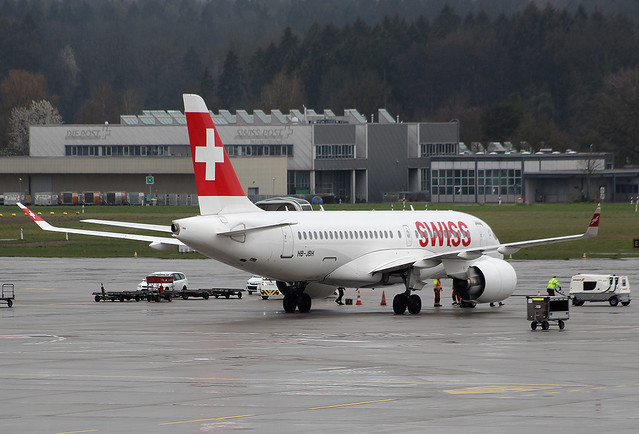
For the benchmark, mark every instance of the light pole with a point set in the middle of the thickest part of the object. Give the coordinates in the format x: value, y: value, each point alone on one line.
x: 20, y: 188
x: 273, y: 186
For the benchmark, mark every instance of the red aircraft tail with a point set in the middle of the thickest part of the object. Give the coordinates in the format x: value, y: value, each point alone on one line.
x: 218, y: 188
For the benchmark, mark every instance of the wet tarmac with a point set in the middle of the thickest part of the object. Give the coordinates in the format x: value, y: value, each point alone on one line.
x: 69, y: 364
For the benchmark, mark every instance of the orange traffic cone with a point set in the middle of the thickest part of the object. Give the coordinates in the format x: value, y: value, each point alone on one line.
x: 383, y: 303
x: 359, y: 300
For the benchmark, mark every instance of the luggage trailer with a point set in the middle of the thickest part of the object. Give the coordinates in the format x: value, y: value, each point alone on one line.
x: 544, y: 308
x: 162, y: 288
x: 8, y: 293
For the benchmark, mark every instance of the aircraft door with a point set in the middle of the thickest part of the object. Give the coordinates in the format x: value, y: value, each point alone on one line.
x: 287, y: 242
x: 408, y: 238
x: 482, y: 233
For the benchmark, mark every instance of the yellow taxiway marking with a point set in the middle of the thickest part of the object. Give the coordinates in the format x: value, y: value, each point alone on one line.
x: 499, y: 388
x: 351, y: 404
x: 78, y: 432
x: 207, y: 420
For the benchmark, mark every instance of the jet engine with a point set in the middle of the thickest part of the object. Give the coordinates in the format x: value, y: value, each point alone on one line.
x: 487, y: 280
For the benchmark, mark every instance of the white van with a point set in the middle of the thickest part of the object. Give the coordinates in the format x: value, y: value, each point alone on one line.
x: 600, y: 287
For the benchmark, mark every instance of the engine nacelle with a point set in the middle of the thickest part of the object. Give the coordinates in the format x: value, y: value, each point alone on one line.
x: 488, y: 280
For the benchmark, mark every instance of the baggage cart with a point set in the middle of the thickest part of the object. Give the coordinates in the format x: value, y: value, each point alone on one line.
x: 209, y: 292
x: 542, y: 309
x: 8, y: 293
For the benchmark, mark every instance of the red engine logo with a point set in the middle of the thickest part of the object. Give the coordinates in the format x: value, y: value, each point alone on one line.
x: 438, y: 233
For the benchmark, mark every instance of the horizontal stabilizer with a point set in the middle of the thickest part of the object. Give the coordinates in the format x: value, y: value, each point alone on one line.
x: 44, y: 225
x: 131, y: 225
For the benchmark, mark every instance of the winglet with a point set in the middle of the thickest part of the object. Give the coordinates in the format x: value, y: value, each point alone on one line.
x: 593, y: 227
x: 36, y: 218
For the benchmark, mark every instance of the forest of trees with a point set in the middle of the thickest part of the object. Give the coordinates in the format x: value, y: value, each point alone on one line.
x: 564, y: 75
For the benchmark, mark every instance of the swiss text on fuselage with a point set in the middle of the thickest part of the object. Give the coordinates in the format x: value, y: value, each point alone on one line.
x: 451, y: 234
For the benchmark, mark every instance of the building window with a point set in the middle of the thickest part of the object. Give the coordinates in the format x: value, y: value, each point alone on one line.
x: 428, y: 149
x: 334, y: 152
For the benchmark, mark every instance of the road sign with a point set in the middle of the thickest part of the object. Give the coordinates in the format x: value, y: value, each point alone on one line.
x: 150, y: 180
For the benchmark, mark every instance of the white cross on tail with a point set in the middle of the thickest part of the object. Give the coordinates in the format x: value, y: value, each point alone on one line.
x: 209, y: 154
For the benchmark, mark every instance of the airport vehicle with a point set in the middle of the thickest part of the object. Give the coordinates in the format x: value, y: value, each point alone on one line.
x: 542, y: 309
x: 8, y: 293
x: 253, y: 284
x: 268, y: 288
x: 600, y: 287
x: 179, y: 281
x: 309, y: 254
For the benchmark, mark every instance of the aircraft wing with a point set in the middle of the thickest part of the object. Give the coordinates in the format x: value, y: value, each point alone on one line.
x: 158, y: 243
x: 477, y: 252
x: 131, y: 225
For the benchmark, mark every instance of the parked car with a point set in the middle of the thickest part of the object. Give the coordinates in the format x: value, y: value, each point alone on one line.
x: 253, y: 284
x: 180, y: 282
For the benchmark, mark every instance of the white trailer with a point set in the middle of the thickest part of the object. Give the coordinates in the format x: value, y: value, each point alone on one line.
x: 600, y: 287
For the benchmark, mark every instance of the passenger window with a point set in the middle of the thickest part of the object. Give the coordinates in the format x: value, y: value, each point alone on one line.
x: 315, y: 235
x: 299, y: 235
x: 399, y: 234
x: 304, y: 235
x: 321, y: 237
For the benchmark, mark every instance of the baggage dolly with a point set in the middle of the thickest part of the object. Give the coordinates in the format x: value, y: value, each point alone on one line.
x: 8, y: 293
x: 544, y: 308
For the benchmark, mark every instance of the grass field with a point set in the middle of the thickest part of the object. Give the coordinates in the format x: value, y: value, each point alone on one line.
x: 619, y: 227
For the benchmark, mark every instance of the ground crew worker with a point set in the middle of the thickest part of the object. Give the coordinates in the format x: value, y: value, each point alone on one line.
x: 437, y: 288
x: 340, y: 292
x: 553, y: 285
x: 456, y: 298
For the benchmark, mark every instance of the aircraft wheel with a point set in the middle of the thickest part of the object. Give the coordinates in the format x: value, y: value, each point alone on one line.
x: 533, y: 325
x: 304, y: 302
x: 414, y: 304
x: 400, y: 301
x: 185, y: 297
x: 613, y: 301
x: 205, y: 296
x: 625, y: 303
x: 545, y: 325
x: 289, y: 303
x: 9, y: 303
x: 97, y: 298
x: 239, y: 295
x: 561, y: 324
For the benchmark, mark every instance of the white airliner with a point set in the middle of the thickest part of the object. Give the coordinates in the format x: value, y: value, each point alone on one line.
x: 311, y: 253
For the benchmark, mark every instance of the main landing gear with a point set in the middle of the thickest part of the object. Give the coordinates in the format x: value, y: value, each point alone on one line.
x: 407, y: 300
x: 299, y: 300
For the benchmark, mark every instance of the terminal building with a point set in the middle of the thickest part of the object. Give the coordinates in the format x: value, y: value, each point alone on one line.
x: 318, y: 156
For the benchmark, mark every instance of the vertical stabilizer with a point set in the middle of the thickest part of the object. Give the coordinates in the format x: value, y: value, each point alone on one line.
x: 218, y: 189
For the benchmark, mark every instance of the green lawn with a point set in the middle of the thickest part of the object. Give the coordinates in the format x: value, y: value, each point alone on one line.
x: 619, y: 227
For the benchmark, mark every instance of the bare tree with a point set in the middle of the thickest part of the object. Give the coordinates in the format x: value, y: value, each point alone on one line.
x: 39, y: 113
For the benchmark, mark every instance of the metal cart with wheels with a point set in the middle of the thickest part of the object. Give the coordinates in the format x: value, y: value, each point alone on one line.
x: 8, y: 293
x: 543, y: 308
